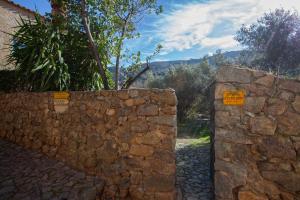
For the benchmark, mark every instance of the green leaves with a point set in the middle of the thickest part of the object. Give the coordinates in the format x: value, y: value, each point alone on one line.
x: 48, y: 58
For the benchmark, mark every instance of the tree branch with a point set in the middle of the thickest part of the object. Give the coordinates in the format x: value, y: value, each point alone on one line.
x: 130, y: 81
x: 93, y: 46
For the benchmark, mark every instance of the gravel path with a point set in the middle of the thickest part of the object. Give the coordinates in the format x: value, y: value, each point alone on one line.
x: 27, y: 175
x: 193, y: 170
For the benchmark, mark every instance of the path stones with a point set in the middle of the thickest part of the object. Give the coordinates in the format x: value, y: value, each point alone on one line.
x: 25, y: 174
x: 193, y: 171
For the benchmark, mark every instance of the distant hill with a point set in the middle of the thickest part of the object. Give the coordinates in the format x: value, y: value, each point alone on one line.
x: 160, y: 68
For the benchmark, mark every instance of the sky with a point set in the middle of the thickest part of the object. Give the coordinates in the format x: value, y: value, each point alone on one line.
x: 190, y: 29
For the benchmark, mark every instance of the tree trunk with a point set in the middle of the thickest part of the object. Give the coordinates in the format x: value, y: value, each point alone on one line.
x: 118, y: 58
x: 93, y: 46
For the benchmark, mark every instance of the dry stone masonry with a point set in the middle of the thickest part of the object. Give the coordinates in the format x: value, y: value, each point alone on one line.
x: 126, y: 137
x: 257, y: 145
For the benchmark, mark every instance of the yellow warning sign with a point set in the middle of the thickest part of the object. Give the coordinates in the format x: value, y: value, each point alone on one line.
x: 234, y: 98
x: 61, y: 95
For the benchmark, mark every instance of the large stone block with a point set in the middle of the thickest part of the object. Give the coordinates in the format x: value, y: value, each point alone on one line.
x: 296, y: 104
x: 290, y: 85
x: 147, y: 110
x: 277, y: 147
x: 141, y: 150
x: 288, y: 124
x: 254, y: 104
x: 267, y: 80
x: 237, y: 75
x: 247, y: 195
x: 276, y: 107
x: 263, y: 125
x: 289, y: 180
x: 159, y: 183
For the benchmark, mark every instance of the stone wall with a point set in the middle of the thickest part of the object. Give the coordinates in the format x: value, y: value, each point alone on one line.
x: 257, y: 145
x: 126, y: 137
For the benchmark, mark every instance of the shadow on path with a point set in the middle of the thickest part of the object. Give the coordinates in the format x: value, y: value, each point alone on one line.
x: 26, y: 175
x: 193, y: 170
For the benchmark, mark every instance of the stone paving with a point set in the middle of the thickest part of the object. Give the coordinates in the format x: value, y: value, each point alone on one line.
x: 193, y: 170
x: 26, y: 175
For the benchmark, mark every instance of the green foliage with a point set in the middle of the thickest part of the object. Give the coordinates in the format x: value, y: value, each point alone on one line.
x: 49, y: 58
x: 190, y: 84
x: 112, y: 23
x: 274, y: 39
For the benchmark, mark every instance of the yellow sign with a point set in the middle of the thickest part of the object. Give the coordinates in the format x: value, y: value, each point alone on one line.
x: 234, y: 98
x: 61, y: 95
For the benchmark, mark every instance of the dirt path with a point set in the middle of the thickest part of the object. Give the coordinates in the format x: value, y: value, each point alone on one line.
x: 193, y: 169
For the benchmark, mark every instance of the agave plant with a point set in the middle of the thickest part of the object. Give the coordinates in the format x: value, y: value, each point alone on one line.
x: 36, y: 50
x: 48, y: 57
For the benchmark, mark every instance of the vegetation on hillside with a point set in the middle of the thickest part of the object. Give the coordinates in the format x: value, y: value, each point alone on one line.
x: 191, y: 86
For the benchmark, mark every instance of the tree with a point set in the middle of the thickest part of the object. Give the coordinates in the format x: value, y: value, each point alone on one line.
x: 274, y: 39
x: 72, y: 48
x: 120, y: 18
x: 191, y: 85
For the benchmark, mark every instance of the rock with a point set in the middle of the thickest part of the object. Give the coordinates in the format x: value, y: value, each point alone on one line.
x: 288, y: 124
x: 140, y: 126
x: 276, y: 107
x: 290, y: 85
x: 221, y: 88
x: 168, y: 98
x: 136, y: 178
x: 224, y: 186
x: 110, y: 112
x: 230, y: 74
x: 141, y: 150
x: 288, y: 96
x: 247, y: 195
x: 165, y: 196
x: 159, y: 183
x: 168, y: 120
x: 263, y: 125
x: 254, y: 104
x: 150, y: 139
x: 267, y: 80
x: 296, y: 104
x: 277, y: 147
x: 235, y: 136
x: 289, y: 180
x: 94, y: 141
x: 222, y: 119
x: 236, y: 172
x: 147, y: 110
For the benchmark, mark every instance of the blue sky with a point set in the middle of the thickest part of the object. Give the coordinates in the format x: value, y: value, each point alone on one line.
x: 192, y: 28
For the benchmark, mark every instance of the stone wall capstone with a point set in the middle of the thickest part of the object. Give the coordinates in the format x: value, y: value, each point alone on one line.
x: 126, y: 137
x: 257, y: 145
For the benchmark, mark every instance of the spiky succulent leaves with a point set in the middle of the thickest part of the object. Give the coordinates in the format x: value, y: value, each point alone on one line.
x: 37, y: 51
x: 48, y: 58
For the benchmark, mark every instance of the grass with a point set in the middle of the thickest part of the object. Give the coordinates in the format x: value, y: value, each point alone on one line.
x: 197, y: 132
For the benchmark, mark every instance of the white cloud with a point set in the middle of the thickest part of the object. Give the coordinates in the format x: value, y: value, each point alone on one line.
x: 192, y: 24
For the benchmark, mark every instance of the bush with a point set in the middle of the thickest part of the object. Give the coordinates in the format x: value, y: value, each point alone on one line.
x: 191, y: 85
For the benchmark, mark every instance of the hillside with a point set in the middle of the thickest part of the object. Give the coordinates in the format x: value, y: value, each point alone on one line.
x: 161, y: 67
